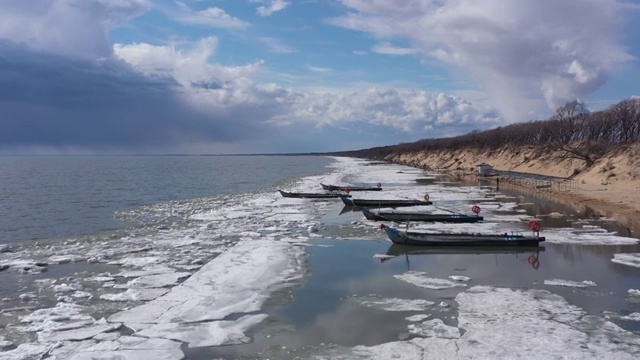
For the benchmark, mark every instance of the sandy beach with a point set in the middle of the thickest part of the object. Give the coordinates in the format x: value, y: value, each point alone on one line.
x: 610, y: 188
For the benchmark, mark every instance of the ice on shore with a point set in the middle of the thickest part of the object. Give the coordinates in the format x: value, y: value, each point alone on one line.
x: 203, y: 334
x: 630, y: 259
x: 570, y: 283
x: 421, y: 279
x: 586, y: 236
x: 236, y: 282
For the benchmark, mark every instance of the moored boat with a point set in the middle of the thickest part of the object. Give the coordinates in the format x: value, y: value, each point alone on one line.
x: 380, y: 203
x: 349, y: 188
x: 459, y: 239
x: 311, y: 195
x: 415, y: 216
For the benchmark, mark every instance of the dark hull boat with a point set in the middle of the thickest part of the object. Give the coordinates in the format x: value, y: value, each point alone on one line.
x: 409, y: 216
x: 310, y: 195
x: 349, y: 188
x: 460, y: 239
x: 372, y: 203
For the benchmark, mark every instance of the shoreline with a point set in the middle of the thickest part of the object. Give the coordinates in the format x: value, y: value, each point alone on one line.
x: 616, y: 204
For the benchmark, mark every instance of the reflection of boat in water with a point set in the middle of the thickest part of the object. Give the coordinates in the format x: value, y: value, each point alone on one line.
x: 396, y: 250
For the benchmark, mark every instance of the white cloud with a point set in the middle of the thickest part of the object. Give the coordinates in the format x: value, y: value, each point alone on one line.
x: 402, y: 109
x: 276, y: 45
x: 190, y: 67
x: 322, y: 70
x: 66, y: 27
x: 559, y: 50
x: 271, y: 7
x: 213, y: 16
x: 214, y: 87
x: 388, y: 49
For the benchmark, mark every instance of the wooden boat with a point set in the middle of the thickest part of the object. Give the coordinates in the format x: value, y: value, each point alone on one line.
x: 311, y: 195
x: 373, y: 203
x: 459, y: 239
x: 350, y: 188
x: 414, y: 216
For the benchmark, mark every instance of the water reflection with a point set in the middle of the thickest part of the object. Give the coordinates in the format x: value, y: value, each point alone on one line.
x: 396, y: 250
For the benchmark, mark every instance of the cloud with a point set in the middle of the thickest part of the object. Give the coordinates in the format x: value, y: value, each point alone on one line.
x: 167, y: 98
x: 58, y: 90
x: 69, y: 27
x: 514, y: 49
x: 51, y: 101
x: 406, y: 110
x: 271, y: 7
x: 322, y: 70
x: 213, y: 16
x: 276, y: 45
x: 388, y: 49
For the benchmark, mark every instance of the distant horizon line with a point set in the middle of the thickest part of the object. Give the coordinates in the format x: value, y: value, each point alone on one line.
x: 185, y: 155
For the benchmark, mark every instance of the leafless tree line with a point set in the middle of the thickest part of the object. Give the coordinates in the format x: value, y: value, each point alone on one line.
x: 572, y: 130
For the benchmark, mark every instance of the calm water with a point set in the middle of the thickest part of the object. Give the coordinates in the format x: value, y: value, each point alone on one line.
x: 51, y: 197
x: 48, y: 198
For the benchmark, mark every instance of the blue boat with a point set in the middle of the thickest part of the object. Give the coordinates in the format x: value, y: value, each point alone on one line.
x: 459, y: 239
x: 380, y: 203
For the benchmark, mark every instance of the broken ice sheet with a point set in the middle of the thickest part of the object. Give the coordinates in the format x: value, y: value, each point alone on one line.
x: 570, y: 283
x: 421, y: 279
x: 390, y: 304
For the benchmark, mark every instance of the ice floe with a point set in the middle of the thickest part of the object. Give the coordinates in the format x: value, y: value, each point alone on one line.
x: 421, y: 279
x: 503, y: 323
x: 586, y: 236
x: 435, y: 328
x: 238, y: 281
x: 631, y: 317
x: 459, y: 278
x: 634, y: 292
x: 570, y: 283
x: 390, y: 304
x: 631, y: 259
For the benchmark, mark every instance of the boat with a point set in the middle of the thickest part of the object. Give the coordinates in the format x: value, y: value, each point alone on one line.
x: 311, y: 195
x: 459, y: 239
x: 375, y: 203
x: 415, y: 216
x: 349, y: 188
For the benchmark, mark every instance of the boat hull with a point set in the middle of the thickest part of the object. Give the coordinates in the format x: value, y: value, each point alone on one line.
x: 351, y: 188
x: 310, y: 195
x: 435, y: 239
x: 404, y: 217
x: 381, y: 203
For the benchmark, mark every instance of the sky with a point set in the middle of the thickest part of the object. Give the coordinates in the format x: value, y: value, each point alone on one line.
x: 283, y: 76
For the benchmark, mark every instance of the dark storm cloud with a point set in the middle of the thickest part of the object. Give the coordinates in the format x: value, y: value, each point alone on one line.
x: 49, y: 100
